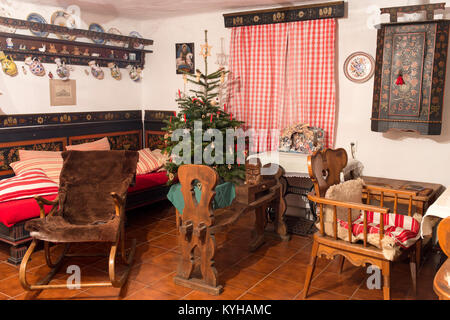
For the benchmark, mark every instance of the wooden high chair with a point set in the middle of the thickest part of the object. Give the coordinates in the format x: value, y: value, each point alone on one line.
x: 324, y: 169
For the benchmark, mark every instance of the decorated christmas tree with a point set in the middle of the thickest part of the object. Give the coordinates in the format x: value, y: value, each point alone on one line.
x: 203, y: 106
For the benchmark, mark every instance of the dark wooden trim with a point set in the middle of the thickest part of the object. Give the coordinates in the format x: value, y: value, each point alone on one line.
x: 285, y: 14
x: 158, y: 115
x: 62, y: 140
x: 107, y: 134
x: 45, y: 119
x: 74, y: 43
x: 154, y: 133
x: 429, y: 8
x: 24, y: 24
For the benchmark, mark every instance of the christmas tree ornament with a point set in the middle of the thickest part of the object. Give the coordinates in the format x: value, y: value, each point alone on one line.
x: 205, y: 48
x: 222, y: 57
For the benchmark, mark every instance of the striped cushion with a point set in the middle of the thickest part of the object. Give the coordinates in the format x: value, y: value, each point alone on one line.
x: 102, y: 144
x: 162, y: 157
x: 51, y: 166
x: 34, y: 154
x: 147, y: 162
x: 27, y: 185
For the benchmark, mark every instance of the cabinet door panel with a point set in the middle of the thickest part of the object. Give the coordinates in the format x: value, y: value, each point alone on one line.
x: 407, y: 61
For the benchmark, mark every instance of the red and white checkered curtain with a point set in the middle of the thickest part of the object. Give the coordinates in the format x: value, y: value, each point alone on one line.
x: 282, y: 74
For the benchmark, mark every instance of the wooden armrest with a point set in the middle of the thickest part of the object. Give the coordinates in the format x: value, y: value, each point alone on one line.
x: 349, y: 205
x: 46, y: 202
x: 390, y: 190
x: 273, y: 192
x: 119, y: 202
x: 42, y: 202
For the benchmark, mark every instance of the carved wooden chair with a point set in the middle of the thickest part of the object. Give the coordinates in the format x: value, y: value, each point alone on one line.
x: 90, y: 207
x: 199, y: 223
x: 324, y: 169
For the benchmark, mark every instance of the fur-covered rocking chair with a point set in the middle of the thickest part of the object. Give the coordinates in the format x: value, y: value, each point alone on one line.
x: 90, y: 207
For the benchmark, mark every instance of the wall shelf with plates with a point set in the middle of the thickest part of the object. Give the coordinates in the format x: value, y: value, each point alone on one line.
x: 72, y: 52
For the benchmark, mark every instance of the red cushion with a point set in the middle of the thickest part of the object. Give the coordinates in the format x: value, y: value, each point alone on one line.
x: 12, y: 212
x: 145, y: 181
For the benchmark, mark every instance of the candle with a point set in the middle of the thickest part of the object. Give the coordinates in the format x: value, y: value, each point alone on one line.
x: 211, y: 117
x: 185, y: 117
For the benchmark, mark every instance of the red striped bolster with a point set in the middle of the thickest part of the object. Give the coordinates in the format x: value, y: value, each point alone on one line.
x: 147, y: 162
x: 27, y: 185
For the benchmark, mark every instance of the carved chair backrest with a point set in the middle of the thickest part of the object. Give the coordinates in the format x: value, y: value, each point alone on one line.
x: 207, y: 178
x: 325, y: 168
x: 444, y: 235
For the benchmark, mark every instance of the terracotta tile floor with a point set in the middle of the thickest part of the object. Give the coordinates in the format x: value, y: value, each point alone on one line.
x: 275, y: 271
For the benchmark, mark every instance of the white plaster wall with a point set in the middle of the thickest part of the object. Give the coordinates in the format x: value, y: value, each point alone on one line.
x: 30, y: 94
x: 397, y: 155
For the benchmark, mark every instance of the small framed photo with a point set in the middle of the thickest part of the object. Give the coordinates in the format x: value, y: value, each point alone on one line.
x: 185, y: 57
x: 359, y: 67
x: 63, y: 92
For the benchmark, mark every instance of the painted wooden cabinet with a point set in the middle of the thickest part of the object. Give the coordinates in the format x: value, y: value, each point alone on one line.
x: 410, y: 76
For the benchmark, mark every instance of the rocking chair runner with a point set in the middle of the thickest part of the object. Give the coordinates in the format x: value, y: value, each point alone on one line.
x: 324, y: 169
x: 90, y: 207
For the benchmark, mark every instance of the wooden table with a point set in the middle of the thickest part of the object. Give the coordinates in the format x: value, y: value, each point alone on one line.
x: 424, y: 198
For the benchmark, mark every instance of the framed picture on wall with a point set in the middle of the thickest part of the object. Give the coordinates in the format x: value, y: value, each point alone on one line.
x: 63, y: 92
x: 185, y: 57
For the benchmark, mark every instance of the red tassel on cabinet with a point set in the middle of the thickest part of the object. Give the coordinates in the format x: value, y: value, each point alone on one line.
x: 400, y: 80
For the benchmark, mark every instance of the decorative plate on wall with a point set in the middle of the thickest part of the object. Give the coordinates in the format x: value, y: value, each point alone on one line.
x: 136, y: 34
x: 97, y: 28
x: 115, y: 42
x: 359, y: 67
x: 36, y: 17
x: 64, y: 19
